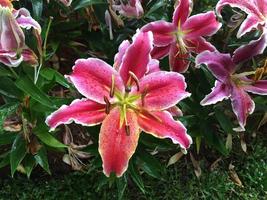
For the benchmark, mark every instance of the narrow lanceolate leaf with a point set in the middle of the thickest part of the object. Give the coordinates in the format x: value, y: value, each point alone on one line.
x: 18, y: 152
x: 9, y: 89
x: 5, y: 111
x: 121, y: 186
x: 29, y: 163
x: 224, y: 121
x: 27, y: 86
x: 7, y: 138
x: 150, y: 165
x: 51, y: 74
x: 85, y: 3
x: 48, y: 139
x: 4, y: 159
x: 136, y: 177
x: 41, y: 159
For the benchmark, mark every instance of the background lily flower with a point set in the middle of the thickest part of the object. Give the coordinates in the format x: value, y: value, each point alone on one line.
x: 183, y: 36
x: 132, y: 9
x: 66, y: 2
x: 256, y: 19
x: 125, y: 99
x: 231, y: 85
x: 12, y: 39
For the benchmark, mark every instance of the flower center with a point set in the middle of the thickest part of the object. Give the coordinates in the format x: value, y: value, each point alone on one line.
x: 239, y: 79
x: 180, y: 34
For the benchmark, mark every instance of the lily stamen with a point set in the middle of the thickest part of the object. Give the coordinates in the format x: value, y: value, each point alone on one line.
x: 127, y: 130
x: 112, y: 89
x: 108, y: 105
x: 135, y: 79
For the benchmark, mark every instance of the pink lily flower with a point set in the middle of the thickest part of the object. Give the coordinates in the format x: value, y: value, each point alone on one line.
x: 231, y: 85
x: 12, y: 39
x: 183, y: 36
x: 256, y: 19
x: 126, y: 99
x: 66, y: 2
x: 132, y: 9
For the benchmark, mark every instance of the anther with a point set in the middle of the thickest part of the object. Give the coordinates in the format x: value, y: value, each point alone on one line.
x: 135, y: 79
x: 127, y: 129
x: 108, y: 105
x: 127, y: 89
x: 112, y: 89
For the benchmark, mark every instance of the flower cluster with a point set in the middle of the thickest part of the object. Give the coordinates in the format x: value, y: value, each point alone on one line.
x: 134, y: 95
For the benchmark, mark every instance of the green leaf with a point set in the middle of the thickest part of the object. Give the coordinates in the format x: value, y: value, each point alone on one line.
x: 136, y: 177
x: 224, y: 121
x: 150, y: 165
x: 29, y: 163
x: 215, y: 141
x: 26, y: 85
x: 41, y: 159
x: 5, y: 111
x: 7, y: 138
x: 51, y: 74
x: 48, y: 139
x: 155, y: 7
x: 5, y: 159
x: 78, y: 4
x: 5, y: 72
x: 121, y: 186
x: 37, y: 8
x: 9, y: 89
x: 18, y: 152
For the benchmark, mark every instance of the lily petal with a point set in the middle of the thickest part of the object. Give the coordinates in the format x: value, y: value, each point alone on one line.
x: 93, y: 78
x: 25, y: 20
x: 250, y: 23
x: 182, y: 11
x: 219, y: 92
x: 248, y: 6
x: 178, y: 62
x: 137, y: 56
x: 162, y: 90
x: 11, y: 35
x: 10, y: 58
x: 199, y: 45
x: 204, y: 24
x: 242, y: 105
x: 220, y: 65
x: 161, y: 125
x: 258, y: 87
x: 118, y: 57
x: 116, y: 146
x: 132, y: 9
x: 84, y: 112
x: 163, y: 32
x: 255, y: 47
x: 160, y: 52
x: 262, y: 5
x: 153, y: 66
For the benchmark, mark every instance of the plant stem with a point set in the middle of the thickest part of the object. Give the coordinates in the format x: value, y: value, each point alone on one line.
x: 36, y: 75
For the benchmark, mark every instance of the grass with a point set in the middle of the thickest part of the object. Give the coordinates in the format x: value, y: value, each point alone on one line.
x: 180, y: 184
